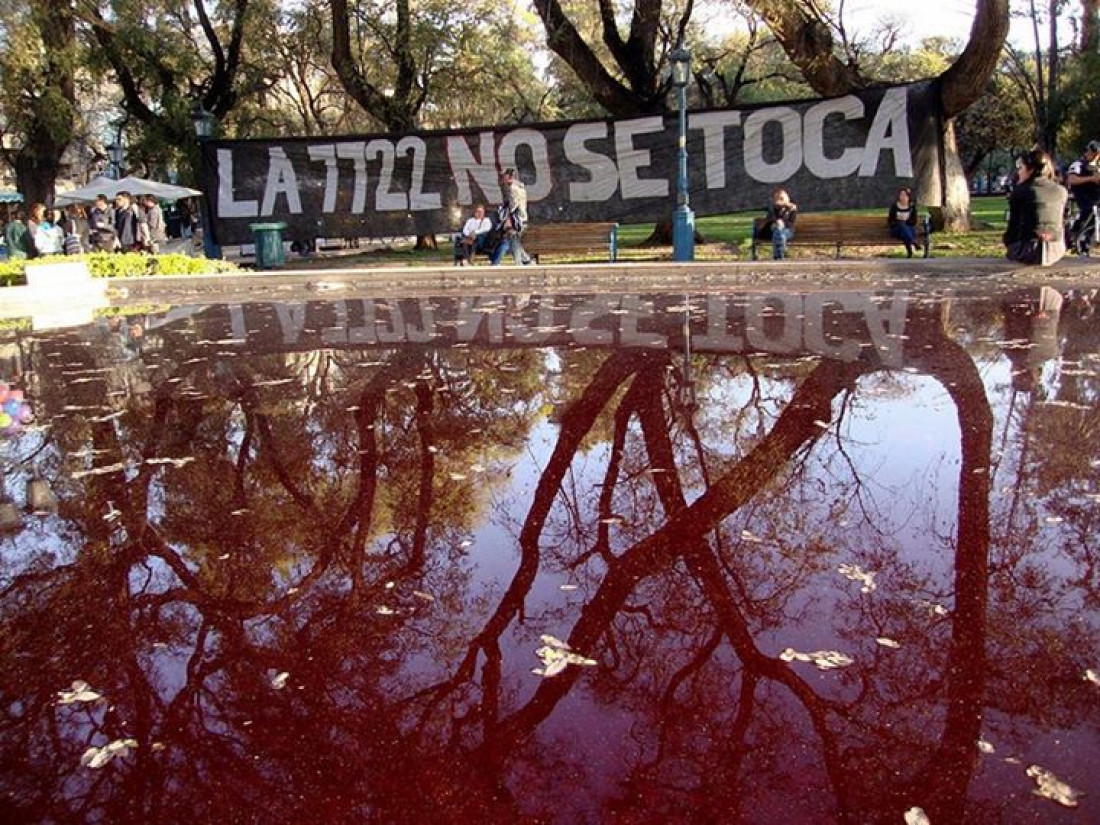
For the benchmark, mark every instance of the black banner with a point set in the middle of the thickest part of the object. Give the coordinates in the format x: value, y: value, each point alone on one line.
x: 846, y: 152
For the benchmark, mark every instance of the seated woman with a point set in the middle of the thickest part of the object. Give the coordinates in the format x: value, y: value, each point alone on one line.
x: 473, y: 238
x: 778, y: 225
x: 902, y: 219
x: 1035, y: 208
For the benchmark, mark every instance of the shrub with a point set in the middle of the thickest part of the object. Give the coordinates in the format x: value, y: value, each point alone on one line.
x: 124, y: 265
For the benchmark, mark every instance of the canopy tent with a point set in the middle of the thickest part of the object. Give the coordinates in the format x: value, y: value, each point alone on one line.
x: 135, y: 186
x: 10, y: 196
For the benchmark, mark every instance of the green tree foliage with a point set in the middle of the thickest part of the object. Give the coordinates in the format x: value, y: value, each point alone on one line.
x: 38, y: 67
x: 167, y: 57
x: 417, y: 63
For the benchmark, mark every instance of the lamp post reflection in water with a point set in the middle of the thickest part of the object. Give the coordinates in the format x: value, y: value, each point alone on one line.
x: 685, y: 395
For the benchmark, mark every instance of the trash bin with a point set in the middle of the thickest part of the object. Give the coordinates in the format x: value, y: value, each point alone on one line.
x: 269, y: 244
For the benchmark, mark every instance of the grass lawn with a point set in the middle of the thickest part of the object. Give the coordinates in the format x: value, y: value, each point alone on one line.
x: 725, y: 237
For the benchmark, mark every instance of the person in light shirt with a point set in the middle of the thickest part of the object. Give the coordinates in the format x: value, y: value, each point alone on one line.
x: 473, y: 238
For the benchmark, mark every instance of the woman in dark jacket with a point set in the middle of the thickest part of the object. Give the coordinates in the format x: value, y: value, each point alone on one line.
x: 902, y: 219
x: 1035, y: 212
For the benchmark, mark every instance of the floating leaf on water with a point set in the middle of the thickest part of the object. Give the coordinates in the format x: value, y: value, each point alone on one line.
x: 100, y: 471
x: 886, y: 641
x: 98, y: 757
x: 821, y: 659
x: 1051, y: 787
x: 175, y: 462
x: 917, y: 816
x: 278, y: 681
x: 985, y: 747
x: 855, y: 573
x: 80, y: 693
x: 556, y: 656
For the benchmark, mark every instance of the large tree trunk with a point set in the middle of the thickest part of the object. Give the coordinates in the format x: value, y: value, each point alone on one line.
x: 941, y: 182
x: 1090, y: 25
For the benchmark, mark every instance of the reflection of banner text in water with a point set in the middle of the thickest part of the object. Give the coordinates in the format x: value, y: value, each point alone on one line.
x: 845, y: 326
x: 839, y: 152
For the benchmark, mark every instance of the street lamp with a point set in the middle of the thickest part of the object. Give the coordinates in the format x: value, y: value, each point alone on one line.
x: 203, y: 122
x: 683, y: 220
x: 116, y: 153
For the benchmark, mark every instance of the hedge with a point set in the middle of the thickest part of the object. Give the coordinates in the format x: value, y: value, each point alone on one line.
x: 121, y: 265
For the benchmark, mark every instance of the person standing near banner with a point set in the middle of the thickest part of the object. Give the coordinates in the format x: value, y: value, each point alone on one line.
x: 1034, y: 234
x: 1083, y: 180
x: 512, y: 215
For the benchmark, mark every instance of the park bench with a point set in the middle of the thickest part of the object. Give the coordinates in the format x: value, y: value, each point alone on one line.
x: 546, y: 239
x: 840, y: 230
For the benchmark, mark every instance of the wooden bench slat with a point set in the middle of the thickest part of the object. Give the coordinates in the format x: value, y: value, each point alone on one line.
x: 551, y: 238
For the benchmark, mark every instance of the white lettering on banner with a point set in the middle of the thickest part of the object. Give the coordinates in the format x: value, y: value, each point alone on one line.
x: 813, y: 138
x: 890, y: 130
x: 327, y: 155
x: 603, y: 174
x: 632, y: 159
x: 281, y: 180
x: 419, y: 200
x: 356, y: 153
x: 713, y: 126
x: 790, y: 159
x: 464, y: 166
x: 227, y: 206
x: 543, y: 183
x: 385, y: 199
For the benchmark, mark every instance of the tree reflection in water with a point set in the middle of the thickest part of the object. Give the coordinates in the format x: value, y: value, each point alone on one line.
x: 306, y: 552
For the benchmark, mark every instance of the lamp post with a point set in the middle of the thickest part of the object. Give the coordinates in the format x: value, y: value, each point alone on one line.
x: 683, y: 220
x: 203, y: 122
x: 116, y: 153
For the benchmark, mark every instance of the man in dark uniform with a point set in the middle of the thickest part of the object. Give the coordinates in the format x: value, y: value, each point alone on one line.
x: 1083, y: 180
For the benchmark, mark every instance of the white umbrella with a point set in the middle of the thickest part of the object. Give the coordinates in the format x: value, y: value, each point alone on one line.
x: 110, y: 187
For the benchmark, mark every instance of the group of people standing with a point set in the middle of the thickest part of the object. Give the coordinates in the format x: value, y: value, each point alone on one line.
x: 1036, y: 232
x: 125, y: 225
